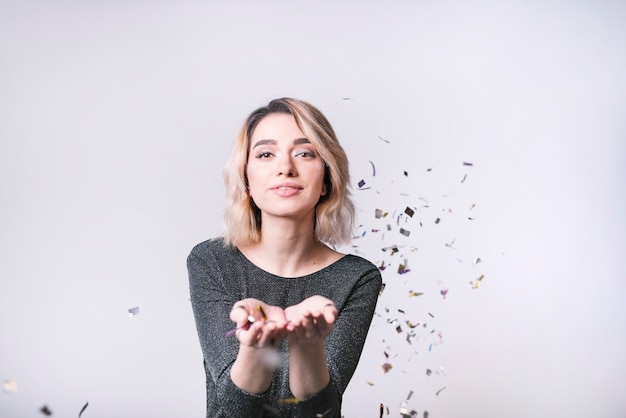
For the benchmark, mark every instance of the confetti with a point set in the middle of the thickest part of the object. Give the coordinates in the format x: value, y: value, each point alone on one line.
x: 244, y: 327
x: 260, y: 308
x: 386, y: 367
x: 476, y: 285
x: 412, y: 293
x: 403, y: 268
x: 382, y: 139
x: 382, y: 287
x: 133, y: 311
x: 382, y: 410
x: 361, y: 183
x: 428, y: 372
x: 409, y: 211
x: 83, y: 409
x: 323, y: 414
x: 291, y: 401
x: 477, y: 260
x: 272, y: 410
x: 378, y: 213
x: 437, y: 221
x: 440, y: 390
x: 467, y: 164
x: 443, y: 293
x: 373, y: 169
x: 369, y: 383
x: 405, y: 232
x: 9, y: 387
x: 45, y: 410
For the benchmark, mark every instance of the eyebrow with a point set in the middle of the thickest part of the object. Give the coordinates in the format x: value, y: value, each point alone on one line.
x: 297, y: 141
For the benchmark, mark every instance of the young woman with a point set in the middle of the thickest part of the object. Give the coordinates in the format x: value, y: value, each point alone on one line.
x: 281, y: 316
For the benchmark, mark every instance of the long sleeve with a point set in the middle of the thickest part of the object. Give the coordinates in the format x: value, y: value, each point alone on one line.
x: 211, y: 305
x: 344, y: 345
x: 220, y: 275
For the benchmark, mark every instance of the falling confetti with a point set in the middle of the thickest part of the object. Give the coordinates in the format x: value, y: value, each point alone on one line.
x: 83, y: 409
x: 467, y: 164
x: 386, y: 367
x: 477, y: 283
x: 45, y: 410
x: 133, y: 311
x: 412, y: 293
x: 405, y: 232
x: 9, y: 387
x: 382, y: 139
x: 440, y: 390
x: 373, y: 169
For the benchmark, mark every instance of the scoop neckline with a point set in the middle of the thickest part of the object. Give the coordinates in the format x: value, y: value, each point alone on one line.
x: 328, y: 267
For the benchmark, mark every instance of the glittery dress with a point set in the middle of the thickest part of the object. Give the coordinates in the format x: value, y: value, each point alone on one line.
x: 220, y: 275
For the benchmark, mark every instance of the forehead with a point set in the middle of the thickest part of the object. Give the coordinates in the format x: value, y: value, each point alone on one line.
x: 277, y: 126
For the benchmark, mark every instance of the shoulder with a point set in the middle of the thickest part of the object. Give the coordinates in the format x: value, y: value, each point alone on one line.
x: 214, y: 248
x: 360, y: 266
x: 356, y: 261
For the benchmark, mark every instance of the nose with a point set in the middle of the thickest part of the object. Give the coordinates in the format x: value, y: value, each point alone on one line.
x: 286, y: 166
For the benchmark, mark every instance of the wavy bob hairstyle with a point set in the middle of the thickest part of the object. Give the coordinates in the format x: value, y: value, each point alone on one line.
x: 334, y: 214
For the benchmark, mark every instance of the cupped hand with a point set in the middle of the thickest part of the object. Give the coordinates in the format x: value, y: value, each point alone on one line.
x: 258, y: 324
x: 311, y: 320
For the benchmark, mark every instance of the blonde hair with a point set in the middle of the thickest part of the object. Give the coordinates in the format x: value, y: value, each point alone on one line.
x: 334, y: 214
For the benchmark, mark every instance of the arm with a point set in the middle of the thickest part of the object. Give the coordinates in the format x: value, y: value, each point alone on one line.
x: 260, y: 328
x: 310, y: 322
x: 211, y: 305
x: 342, y: 346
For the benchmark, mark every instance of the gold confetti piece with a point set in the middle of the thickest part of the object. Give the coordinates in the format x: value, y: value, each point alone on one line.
x: 369, y: 383
x: 378, y: 213
x: 386, y: 367
x: 412, y: 293
x: 410, y: 324
x: 260, y: 308
x: 9, y: 387
x: 476, y: 285
x: 288, y: 401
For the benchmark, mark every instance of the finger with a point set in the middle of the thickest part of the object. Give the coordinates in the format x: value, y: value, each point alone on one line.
x: 239, y: 313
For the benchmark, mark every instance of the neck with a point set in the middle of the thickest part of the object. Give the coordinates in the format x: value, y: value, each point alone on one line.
x: 287, y: 248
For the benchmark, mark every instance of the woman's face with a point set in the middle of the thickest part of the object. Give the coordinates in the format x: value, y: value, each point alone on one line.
x: 285, y: 172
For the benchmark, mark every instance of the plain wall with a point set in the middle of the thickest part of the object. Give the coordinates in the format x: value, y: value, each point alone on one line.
x: 116, y: 119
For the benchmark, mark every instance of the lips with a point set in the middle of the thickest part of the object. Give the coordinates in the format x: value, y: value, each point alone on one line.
x: 287, y: 186
x: 286, y: 189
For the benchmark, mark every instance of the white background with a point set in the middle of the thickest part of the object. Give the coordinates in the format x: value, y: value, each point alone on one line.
x: 116, y: 118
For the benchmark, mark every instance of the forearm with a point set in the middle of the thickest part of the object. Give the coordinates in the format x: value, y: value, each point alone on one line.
x: 251, y: 371
x: 308, y: 372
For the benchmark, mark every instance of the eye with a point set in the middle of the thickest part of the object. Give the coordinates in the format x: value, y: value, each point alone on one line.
x: 264, y: 154
x: 306, y: 154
